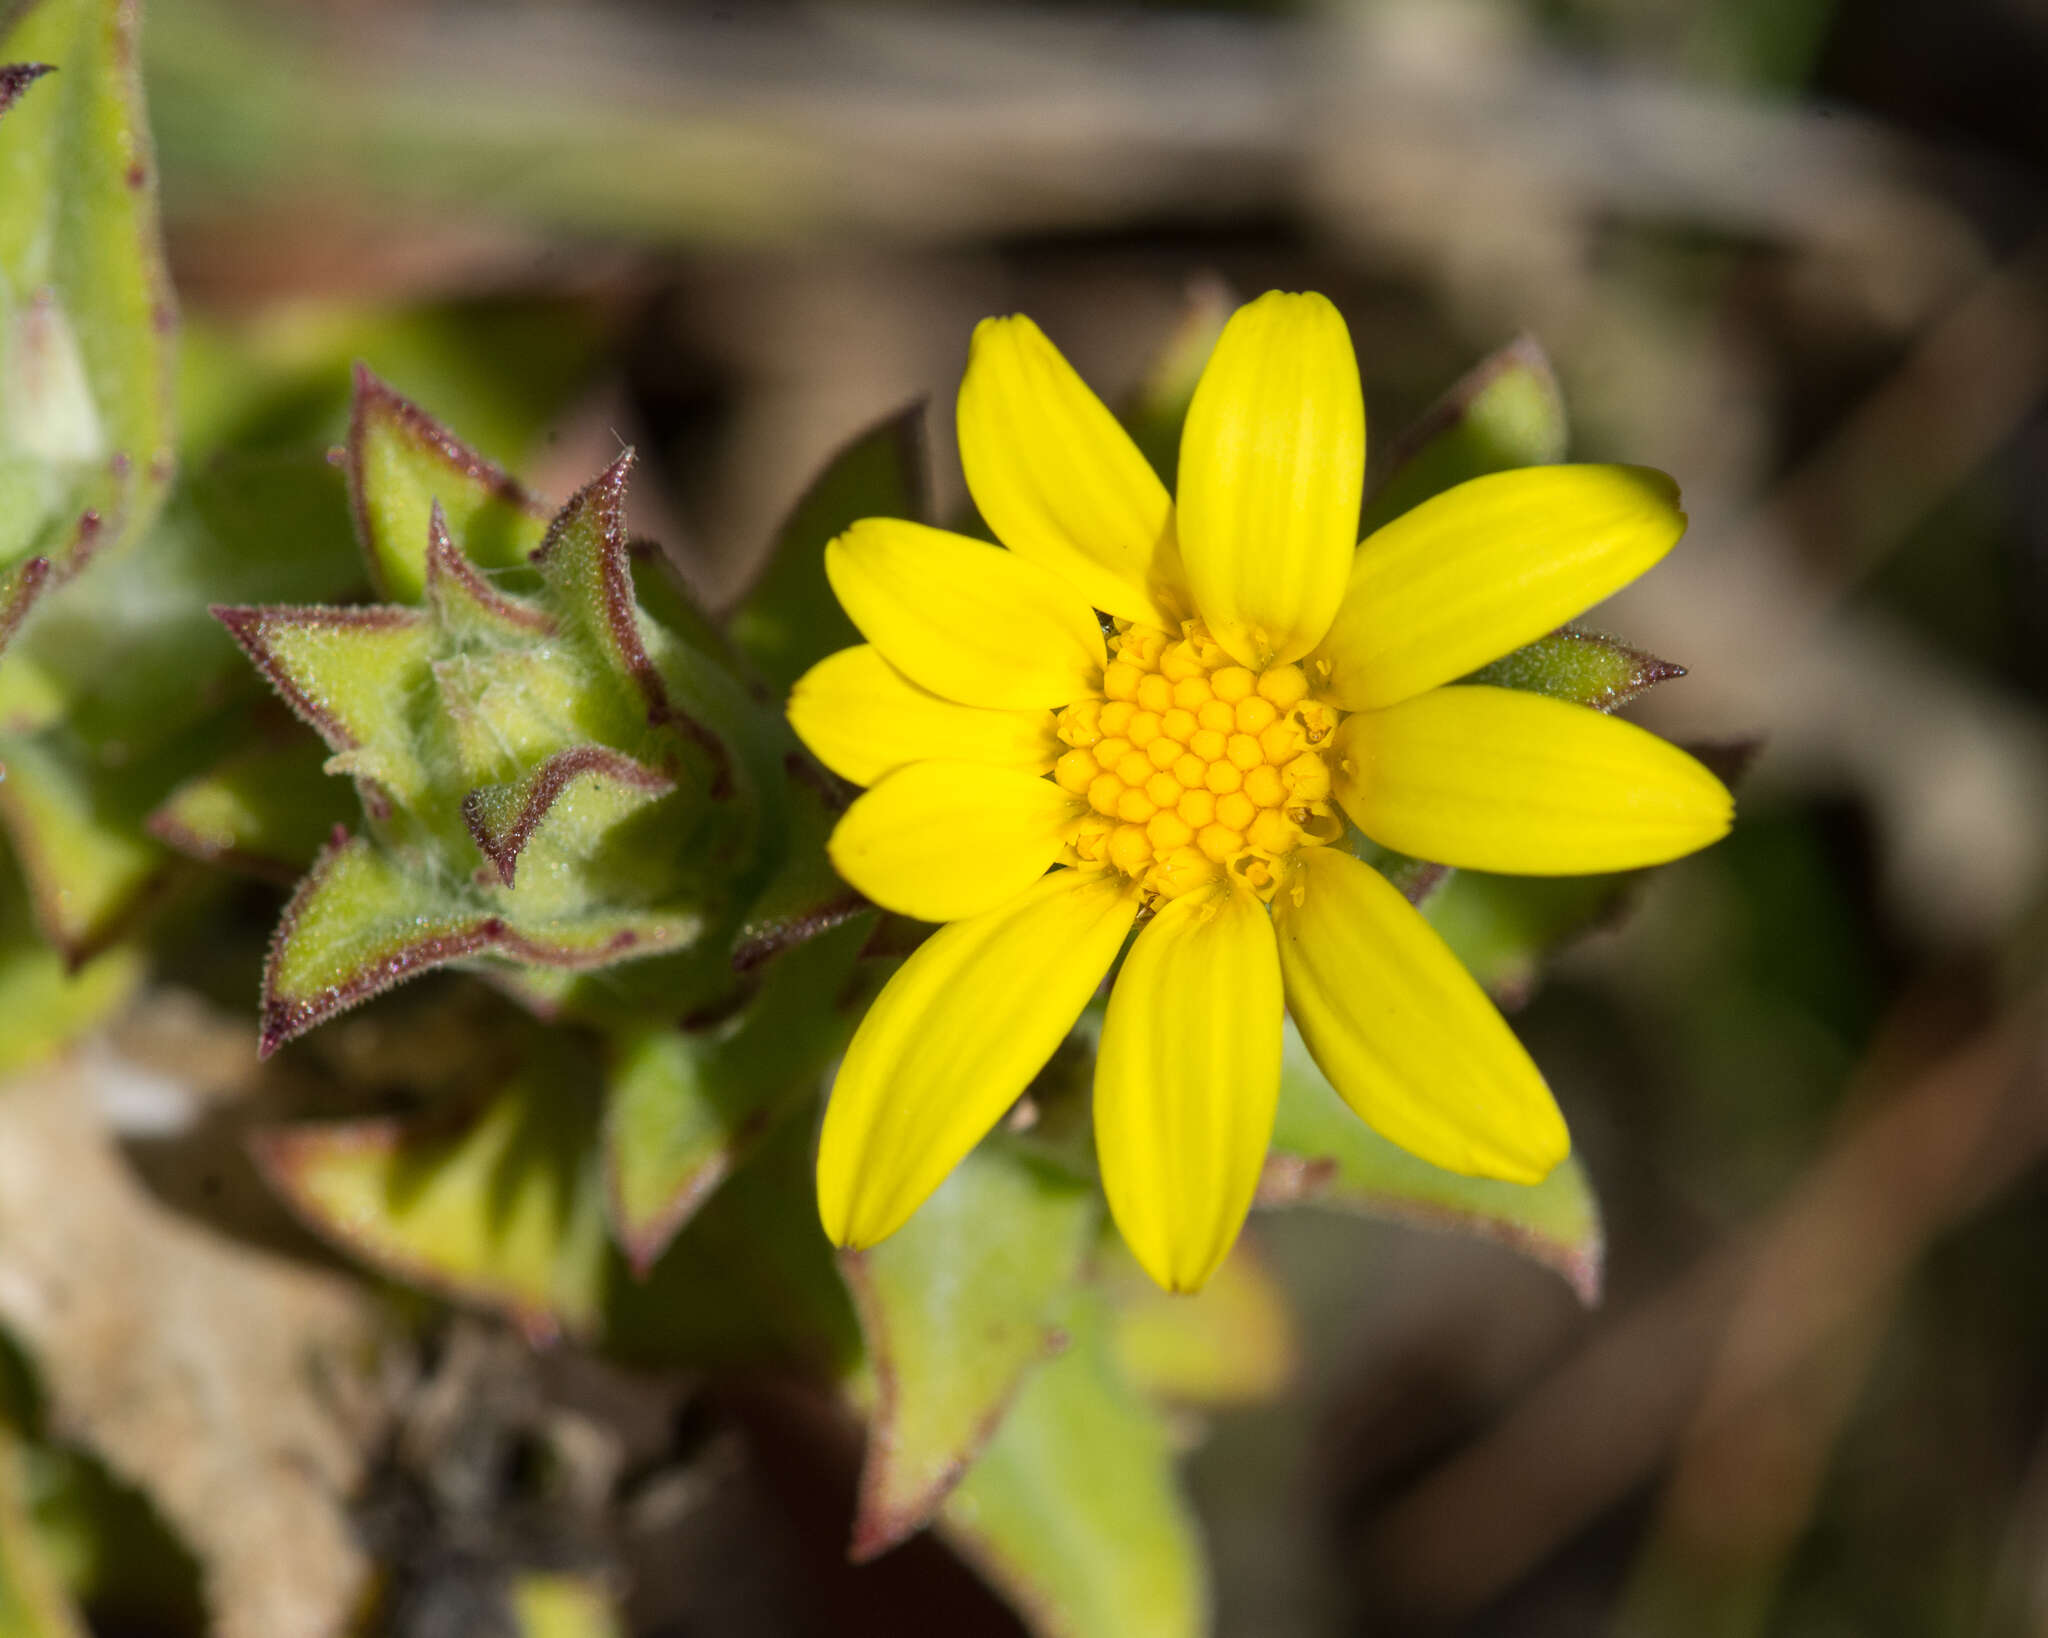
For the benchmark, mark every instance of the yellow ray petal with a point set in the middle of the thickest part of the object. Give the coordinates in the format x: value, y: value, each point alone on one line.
x: 863, y: 718
x: 1187, y: 1080
x: 1493, y: 779
x: 1272, y: 462
x: 968, y: 621
x: 942, y: 840
x: 1481, y: 569
x: 1059, y: 481
x: 1402, y: 1030
x: 953, y: 1038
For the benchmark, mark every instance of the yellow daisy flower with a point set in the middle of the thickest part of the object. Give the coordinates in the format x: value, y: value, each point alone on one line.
x: 1043, y: 791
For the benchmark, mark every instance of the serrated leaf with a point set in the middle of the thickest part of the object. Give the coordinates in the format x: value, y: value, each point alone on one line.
x: 564, y: 809
x: 788, y: 620
x: 267, y: 809
x: 85, y: 309
x: 351, y: 675
x: 750, y: 1281
x: 503, y: 1209
x: 684, y: 1106
x: 360, y: 923
x: 400, y: 463
x: 1324, y: 1154
x: 468, y: 608
x: 957, y: 1307
x: 1074, y: 1511
x: 1580, y: 666
x: 1231, y: 1343
x: 1506, y: 412
x: 587, y: 568
x: 805, y: 897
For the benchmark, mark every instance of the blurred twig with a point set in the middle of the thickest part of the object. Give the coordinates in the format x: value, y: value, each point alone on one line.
x: 940, y: 124
x: 1958, y: 777
x: 1741, y: 1363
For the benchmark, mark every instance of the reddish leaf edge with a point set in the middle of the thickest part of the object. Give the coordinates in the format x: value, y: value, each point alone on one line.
x: 877, y: 1527
x: 1451, y: 405
x: 16, y: 78
x: 545, y: 786
x: 604, y: 497
x: 1290, y: 1179
x: 451, y: 575
x: 374, y: 400
x: 284, y: 1018
x: 251, y: 624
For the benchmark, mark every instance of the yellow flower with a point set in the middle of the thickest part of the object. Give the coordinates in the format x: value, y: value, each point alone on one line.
x: 1041, y: 790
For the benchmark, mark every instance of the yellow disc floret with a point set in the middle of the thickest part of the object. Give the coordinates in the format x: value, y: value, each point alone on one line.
x: 1192, y: 765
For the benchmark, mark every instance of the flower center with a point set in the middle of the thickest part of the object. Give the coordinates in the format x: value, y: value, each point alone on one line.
x: 1192, y: 764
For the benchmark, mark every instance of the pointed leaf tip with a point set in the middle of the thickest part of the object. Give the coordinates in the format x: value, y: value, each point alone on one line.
x: 958, y: 1308
x: 398, y: 462
x: 587, y: 564
x: 463, y: 597
x: 1506, y: 411
x: 1581, y: 666
x: 502, y: 819
x: 16, y: 78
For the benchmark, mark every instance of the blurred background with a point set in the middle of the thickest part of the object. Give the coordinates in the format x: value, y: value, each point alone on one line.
x: 1794, y: 252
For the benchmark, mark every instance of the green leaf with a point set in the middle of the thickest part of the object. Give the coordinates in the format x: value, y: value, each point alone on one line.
x: 684, y: 1106
x: 124, y: 683
x: 133, y: 653
x: 361, y: 922
x: 77, y: 832
x: 1506, y: 412
x: 749, y: 1283
x: 550, y: 780
x: 400, y: 462
x: 351, y: 675
x: 957, y: 1307
x: 806, y: 896
x: 1074, y: 1510
x: 44, y: 1004
x: 85, y: 308
x: 266, y: 808
x: 116, y: 1555
x: 1231, y: 1343
x: 788, y: 620
x: 33, y: 1602
x: 560, y: 813
x: 1505, y: 927
x: 503, y: 1208
x: 586, y: 566
x: 1579, y: 666
x: 1326, y: 1155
